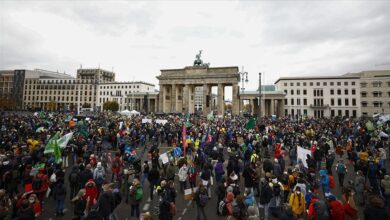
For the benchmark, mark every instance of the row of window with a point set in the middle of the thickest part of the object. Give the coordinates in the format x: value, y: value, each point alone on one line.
x: 292, y: 102
x: 320, y: 113
x: 320, y: 92
x: 346, y: 92
x: 339, y: 102
x: 319, y: 84
x: 50, y: 92
x: 59, y: 98
x: 374, y: 94
x: 375, y: 104
x: 374, y: 84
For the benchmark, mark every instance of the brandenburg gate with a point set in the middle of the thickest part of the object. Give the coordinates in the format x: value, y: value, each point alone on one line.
x: 177, y: 91
x: 177, y: 88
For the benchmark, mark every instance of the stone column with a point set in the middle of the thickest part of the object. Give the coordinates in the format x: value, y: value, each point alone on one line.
x: 272, y: 110
x: 190, y: 97
x: 235, y: 99
x: 173, y: 98
x: 206, y: 92
x: 263, y: 107
x: 252, y: 103
x: 281, y: 106
x: 221, y: 101
x: 161, y: 97
x: 185, y: 99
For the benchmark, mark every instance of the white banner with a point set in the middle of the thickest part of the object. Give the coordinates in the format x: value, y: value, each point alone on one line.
x: 146, y: 120
x: 301, y: 154
x: 63, y: 141
x: 161, y: 121
x: 164, y: 158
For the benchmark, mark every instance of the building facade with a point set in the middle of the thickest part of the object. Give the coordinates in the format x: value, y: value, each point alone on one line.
x: 124, y: 93
x: 374, y: 92
x: 90, y: 89
x: 321, y: 96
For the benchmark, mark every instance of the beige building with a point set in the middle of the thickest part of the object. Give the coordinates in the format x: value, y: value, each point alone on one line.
x: 374, y: 92
x: 125, y: 93
x: 90, y: 89
x: 323, y: 96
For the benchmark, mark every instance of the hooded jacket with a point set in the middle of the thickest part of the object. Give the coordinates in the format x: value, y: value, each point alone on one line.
x: 297, y: 203
x: 183, y: 173
x: 385, y: 183
x: 229, y: 203
x: 376, y: 209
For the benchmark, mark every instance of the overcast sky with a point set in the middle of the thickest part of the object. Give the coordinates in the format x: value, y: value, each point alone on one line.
x: 137, y: 39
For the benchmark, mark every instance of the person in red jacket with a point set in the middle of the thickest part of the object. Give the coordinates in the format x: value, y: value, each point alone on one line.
x: 116, y: 166
x: 91, y: 192
x: 318, y: 209
x: 229, y: 203
x: 44, y: 179
x: 35, y: 205
x: 336, y: 208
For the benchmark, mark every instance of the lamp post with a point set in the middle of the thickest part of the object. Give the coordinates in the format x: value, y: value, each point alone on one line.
x: 244, y: 79
x: 259, y: 98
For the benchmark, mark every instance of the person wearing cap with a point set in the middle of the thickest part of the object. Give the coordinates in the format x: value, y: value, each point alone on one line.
x: 376, y: 209
x: 336, y: 208
x: 318, y: 209
x: 297, y: 202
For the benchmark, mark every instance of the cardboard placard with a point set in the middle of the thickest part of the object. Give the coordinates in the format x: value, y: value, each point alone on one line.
x: 189, y: 193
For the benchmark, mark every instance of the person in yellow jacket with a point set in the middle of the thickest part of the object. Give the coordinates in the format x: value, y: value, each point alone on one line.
x: 297, y: 202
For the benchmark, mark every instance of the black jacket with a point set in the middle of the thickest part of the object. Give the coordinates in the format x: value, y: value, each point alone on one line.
x: 106, y: 203
x: 26, y: 214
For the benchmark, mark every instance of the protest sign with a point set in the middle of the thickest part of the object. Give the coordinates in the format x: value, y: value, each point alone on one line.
x: 301, y: 154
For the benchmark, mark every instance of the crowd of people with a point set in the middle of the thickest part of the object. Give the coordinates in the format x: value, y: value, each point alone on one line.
x: 253, y: 168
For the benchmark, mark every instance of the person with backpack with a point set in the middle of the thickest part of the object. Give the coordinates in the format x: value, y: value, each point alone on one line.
x: 225, y: 207
x: 239, y: 208
x: 205, y: 178
x: 73, y: 179
x: 318, y: 209
x: 265, y: 197
x: 341, y: 170
x: 373, y: 174
x: 336, y: 208
x: 297, y: 202
x: 80, y: 205
x: 220, y: 192
x: 107, y: 202
x: 99, y: 175
x: 324, y: 181
x: 201, y: 198
x: 59, y: 193
x: 136, y: 193
x: 360, y: 187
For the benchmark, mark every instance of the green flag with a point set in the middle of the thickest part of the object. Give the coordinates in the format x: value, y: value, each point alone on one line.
x: 370, y: 126
x: 57, y: 153
x: 49, y: 148
x: 250, y: 124
x: 187, y: 120
x: 210, y: 116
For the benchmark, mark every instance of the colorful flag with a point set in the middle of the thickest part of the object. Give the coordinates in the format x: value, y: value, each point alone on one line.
x: 63, y: 141
x: 250, y: 124
x: 184, y: 139
x: 49, y: 149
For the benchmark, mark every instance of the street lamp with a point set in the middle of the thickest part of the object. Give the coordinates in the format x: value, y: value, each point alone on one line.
x: 244, y: 79
x: 259, y: 104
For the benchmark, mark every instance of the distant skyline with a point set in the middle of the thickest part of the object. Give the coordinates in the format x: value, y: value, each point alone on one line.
x: 138, y: 38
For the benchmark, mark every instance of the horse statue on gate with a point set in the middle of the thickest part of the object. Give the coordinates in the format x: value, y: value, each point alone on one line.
x: 198, y: 61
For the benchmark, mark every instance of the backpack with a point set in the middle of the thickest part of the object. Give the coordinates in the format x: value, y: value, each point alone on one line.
x: 236, y: 209
x: 203, y: 198
x: 139, y: 194
x: 236, y: 190
x: 37, y: 183
x: 276, y: 189
x: 74, y: 177
x: 284, y: 179
x: 332, y: 183
x: 61, y: 190
x: 321, y: 210
x: 222, y: 208
x: 341, y: 168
